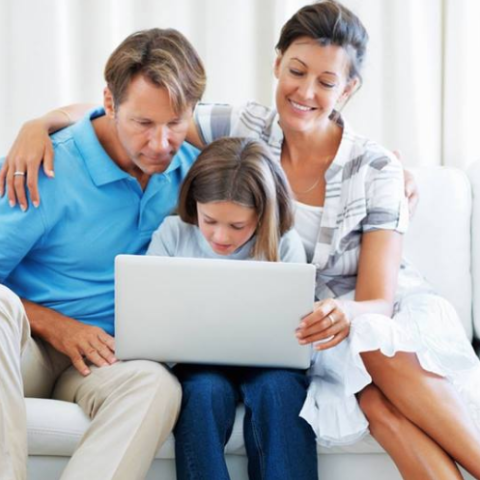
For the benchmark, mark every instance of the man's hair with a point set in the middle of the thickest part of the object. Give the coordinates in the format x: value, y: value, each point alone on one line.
x: 165, y: 58
x: 241, y: 171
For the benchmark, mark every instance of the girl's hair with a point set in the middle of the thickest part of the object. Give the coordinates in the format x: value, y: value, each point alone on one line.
x: 241, y: 170
x: 329, y: 23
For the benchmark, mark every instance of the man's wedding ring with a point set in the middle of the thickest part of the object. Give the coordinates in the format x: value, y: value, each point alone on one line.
x: 18, y: 174
x: 330, y: 316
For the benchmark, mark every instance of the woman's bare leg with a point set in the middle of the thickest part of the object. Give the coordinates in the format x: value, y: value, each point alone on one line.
x: 429, y: 402
x: 415, y: 454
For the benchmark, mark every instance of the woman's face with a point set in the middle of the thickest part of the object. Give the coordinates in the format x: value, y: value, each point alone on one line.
x: 312, y: 80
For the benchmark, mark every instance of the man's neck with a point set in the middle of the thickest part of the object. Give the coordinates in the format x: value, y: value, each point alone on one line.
x: 107, y: 136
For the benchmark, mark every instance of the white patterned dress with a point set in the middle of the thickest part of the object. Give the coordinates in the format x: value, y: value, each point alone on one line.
x: 364, y: 192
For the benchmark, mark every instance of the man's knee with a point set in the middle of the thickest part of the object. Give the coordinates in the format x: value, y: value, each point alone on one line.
x: 10, y: 303
x: 132, y: 383
x: 153, y: 384
x: 13, y: 319
x: 152, y: 376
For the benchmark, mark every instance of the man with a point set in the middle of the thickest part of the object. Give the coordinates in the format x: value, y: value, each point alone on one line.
x: 121, y: 169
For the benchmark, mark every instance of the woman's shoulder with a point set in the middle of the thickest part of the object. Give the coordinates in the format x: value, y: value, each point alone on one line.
x: 259, y: 109
x: 253, y: 107
x: 368, y: 152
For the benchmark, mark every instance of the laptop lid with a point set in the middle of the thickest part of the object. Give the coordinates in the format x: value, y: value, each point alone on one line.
x: 206, y: 311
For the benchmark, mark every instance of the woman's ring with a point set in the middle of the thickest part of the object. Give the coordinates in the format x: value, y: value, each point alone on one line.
x: 18, y: 173
x: 330, y: 316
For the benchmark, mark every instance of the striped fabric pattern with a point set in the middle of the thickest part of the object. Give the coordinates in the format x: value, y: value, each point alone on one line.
x: 364, y: 193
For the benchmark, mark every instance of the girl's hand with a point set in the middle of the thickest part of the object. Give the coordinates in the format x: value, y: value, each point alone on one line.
x: 328, y: 323
x: 31, y: 147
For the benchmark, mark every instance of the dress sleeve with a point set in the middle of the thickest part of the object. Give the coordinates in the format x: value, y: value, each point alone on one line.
x: 387, y: 207
x: 213, y: 121
x: 291, y: 248
x: 164, y: 239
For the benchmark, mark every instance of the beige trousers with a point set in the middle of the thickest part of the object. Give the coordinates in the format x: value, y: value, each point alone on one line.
x: 133, y: 405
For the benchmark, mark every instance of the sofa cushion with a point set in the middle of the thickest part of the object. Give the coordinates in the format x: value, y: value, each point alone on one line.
x: 55, y: 429
x: 438, y: 241
x: 474, y: 174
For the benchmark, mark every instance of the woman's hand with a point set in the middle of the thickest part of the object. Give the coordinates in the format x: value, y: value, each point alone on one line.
x: 31, y: 147
x: 329, y: 324
x: 411, y: 187
x: 411, y: 192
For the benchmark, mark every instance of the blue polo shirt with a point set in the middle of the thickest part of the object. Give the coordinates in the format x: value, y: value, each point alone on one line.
x: 61, y: 255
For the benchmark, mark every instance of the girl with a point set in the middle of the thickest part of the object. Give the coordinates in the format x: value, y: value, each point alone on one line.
x: 235, y: 204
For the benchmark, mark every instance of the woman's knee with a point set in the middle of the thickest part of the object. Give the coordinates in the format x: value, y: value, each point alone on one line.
x: 382, y: 367
x: 383, y: 417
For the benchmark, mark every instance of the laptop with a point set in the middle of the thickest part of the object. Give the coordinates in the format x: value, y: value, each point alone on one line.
x: 209, y: 311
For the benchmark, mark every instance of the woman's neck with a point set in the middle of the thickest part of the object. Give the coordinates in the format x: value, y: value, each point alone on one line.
x: 315, y: 148
x: 306, y: 157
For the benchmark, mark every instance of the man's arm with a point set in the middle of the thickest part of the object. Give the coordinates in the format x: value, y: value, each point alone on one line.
x: 20, y: 234
x: 74, y: 339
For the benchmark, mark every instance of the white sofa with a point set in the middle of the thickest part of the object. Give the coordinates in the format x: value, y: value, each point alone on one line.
x: 439, y: 242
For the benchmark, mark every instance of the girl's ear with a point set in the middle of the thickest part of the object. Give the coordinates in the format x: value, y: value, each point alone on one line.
x: 108, y: 103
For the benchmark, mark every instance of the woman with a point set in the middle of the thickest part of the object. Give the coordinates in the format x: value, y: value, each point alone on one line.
x: 412, y: 375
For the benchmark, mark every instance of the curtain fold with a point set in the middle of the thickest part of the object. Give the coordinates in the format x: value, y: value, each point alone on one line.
x: 419, y: 93
x: 461, y: 125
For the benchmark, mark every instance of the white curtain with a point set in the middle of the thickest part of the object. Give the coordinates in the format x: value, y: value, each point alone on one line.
x: 420, y: 91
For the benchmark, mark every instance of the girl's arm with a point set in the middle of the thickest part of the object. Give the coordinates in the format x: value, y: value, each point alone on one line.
x: 379, y: 263
x: 31, y: 147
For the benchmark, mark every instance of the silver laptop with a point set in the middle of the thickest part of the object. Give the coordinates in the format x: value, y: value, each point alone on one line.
x: 222, y: 312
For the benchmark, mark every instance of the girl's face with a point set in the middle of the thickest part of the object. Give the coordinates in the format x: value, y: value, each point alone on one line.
x: 226, y: 225
x: 312, y: 80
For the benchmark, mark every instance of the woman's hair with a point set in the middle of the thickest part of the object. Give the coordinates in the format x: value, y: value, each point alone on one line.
x: 241, y: 170
x: 329, y: 23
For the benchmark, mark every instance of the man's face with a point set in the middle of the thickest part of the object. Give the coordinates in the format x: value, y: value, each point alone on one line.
x: 148, y: 129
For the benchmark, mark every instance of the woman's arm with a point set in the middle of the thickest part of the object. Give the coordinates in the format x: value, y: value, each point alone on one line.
x: 31, y: 147
x: 378, y: 268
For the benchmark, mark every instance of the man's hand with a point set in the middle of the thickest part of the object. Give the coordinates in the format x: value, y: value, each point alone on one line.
x: 74, y: 339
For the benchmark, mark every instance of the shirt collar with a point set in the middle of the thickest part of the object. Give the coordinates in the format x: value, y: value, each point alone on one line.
x: 100, y: 166
x: 276, y: 140
x: 102, y: 169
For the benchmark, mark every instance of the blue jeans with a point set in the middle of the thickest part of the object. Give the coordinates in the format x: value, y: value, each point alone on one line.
x: 280, y: 445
